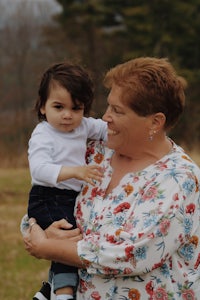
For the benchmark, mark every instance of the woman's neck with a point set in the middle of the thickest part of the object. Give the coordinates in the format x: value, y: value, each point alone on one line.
x: 124, y: 162
x: 143, y: 156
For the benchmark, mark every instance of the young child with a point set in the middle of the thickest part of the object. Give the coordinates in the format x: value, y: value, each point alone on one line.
x: 56, y: 156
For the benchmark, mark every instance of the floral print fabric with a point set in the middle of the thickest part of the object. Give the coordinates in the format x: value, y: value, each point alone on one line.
x: 141, y: 241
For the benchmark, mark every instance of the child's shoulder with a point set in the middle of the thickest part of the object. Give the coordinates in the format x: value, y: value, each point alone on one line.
x: 42, y: 129
x: 90, y: 121
x: 40, y: 126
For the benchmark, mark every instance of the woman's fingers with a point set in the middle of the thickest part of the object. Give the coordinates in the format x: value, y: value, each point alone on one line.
x: 32, y: 222
x: 60, y: 230
x: 62, y: 224
x: 34, y: 236
x: 76, y: 238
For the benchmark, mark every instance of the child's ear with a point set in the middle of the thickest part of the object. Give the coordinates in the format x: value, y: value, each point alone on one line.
x: 42, y: 110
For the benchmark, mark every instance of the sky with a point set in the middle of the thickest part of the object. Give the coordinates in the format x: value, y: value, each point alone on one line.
x: 9, y: 7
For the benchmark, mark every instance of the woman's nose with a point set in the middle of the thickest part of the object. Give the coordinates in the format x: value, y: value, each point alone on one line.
x: 106, y: 117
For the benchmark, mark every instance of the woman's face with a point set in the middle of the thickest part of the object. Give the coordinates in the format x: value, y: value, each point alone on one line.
x: 125, y: 127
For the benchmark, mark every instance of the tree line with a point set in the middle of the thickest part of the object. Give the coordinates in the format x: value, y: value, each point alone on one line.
x: 98, y: 35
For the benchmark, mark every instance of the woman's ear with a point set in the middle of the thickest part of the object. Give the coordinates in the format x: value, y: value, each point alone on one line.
x: 158, y: 121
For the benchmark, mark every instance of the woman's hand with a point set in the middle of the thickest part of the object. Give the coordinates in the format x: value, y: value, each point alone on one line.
x: 36, y: 239
x: 60, y: 230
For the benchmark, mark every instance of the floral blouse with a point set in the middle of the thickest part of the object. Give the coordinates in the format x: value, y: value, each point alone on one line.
x: 141, y: 241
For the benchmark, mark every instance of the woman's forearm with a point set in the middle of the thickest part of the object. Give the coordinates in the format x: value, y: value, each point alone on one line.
x: 63, y: 251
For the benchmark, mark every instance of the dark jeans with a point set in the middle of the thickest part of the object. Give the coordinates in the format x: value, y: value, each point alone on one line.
x: 47, y: 205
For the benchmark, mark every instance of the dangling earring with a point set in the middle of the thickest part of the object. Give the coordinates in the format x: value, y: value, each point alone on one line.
x: 151, y: 137
x: 151, y: 134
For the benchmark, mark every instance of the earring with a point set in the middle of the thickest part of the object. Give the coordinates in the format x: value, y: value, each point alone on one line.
x: 151, y: 134
x: 151, y: 137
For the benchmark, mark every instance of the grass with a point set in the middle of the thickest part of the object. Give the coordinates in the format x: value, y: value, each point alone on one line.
x: 21, y: 274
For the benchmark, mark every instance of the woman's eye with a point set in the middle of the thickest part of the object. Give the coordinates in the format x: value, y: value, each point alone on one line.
x: 116, y: 110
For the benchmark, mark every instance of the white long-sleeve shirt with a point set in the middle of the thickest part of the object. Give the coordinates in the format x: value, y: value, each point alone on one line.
x: 50, y: 149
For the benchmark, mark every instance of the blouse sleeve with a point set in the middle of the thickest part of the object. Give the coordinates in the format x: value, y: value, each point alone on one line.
x: 154, y: 231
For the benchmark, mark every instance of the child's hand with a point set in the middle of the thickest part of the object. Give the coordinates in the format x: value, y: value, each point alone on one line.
x: 90, y: 174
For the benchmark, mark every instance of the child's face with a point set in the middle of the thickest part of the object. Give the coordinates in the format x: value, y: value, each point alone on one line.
x: 60, y: 111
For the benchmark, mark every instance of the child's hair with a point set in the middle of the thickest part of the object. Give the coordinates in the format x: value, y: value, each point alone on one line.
x: 73, y: 78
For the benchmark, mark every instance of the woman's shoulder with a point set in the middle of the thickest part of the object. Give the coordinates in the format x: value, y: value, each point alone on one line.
x: 95, y: 146
x: 183, y: 163
x: 97, y: 150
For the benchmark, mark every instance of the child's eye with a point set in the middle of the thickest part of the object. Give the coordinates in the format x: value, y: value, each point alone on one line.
x: 78, y: 107
x: 58, y: 106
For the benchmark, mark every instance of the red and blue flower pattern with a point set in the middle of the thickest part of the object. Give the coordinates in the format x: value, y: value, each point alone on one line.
x: 141, y: 241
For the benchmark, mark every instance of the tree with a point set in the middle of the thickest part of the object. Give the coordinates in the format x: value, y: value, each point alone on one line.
x: 23, y: 56
x: 107, y: 32
x: 97, y: 34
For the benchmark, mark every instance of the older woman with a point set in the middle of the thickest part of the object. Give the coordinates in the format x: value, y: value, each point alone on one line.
x: 140, y: 226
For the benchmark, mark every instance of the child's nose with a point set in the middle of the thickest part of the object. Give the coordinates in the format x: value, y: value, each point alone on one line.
x: 67, y: 114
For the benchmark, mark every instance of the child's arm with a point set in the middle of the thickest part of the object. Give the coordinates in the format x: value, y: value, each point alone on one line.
x: 87, y: 173
x: 96, y: 128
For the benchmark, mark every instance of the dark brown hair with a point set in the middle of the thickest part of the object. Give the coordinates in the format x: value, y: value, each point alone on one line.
x: 73, y: 78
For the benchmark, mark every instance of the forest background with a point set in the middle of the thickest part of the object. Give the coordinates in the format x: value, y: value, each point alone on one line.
x: 97, y: 34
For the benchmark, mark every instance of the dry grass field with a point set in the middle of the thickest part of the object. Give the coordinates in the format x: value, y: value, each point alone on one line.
x: 21, y: 274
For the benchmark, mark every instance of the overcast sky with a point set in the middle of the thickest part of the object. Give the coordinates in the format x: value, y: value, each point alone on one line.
x: 44, y: 8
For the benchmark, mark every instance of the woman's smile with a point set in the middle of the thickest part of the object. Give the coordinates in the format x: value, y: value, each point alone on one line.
x: 112, y: 132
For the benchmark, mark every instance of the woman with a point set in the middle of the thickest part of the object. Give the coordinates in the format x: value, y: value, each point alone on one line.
x: 140, y: 226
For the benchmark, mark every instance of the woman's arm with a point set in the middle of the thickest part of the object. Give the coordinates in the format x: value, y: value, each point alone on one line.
x: 158, y: 230
x: 61, y: 248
